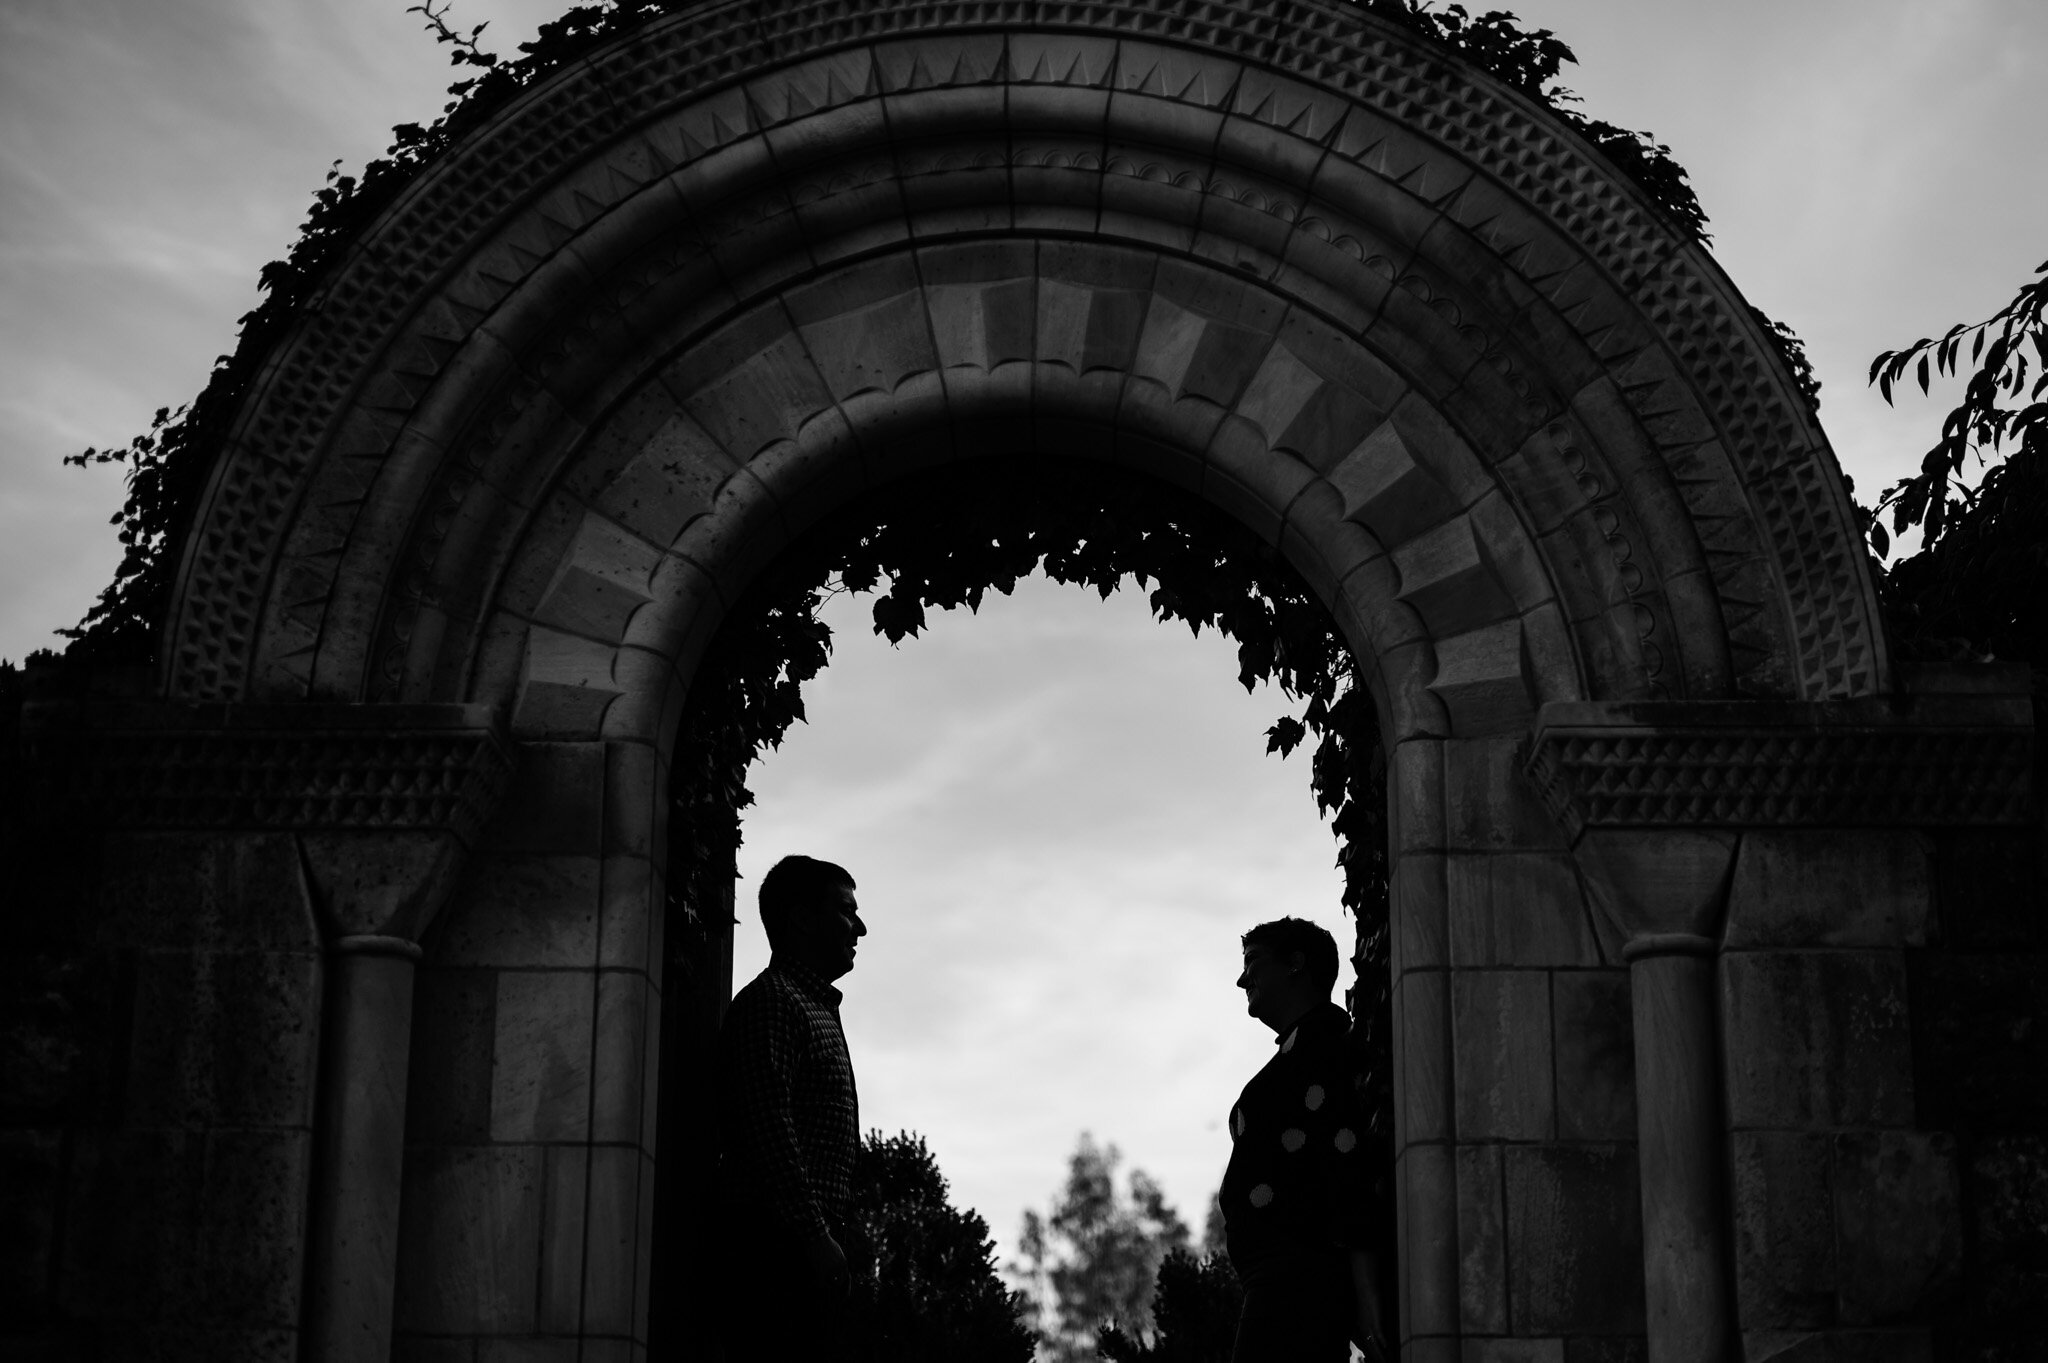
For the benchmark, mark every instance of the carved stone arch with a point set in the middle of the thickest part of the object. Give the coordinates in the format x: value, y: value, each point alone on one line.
x: 1598, y: 370
x: 643, y: 326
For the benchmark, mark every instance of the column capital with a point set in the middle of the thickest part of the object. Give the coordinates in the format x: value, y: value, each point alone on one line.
x: 281, y: 767
x: 383, y: 800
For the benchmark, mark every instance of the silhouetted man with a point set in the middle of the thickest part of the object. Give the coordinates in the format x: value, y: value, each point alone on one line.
x: 789, y: 1122
x: 1293, y: 1196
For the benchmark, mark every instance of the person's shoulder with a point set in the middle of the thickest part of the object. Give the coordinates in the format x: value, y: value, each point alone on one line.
x: 1325, y: 1032
x: 768, y: 992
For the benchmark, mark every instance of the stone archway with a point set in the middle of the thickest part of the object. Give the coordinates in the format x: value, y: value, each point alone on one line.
x: 643, y: 328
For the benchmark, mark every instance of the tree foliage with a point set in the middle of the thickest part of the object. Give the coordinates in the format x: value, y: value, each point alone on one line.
x: 925, y: 1284
x: 1194, y: 1308
x: 1979, y: 582
x: 1093, y: 1259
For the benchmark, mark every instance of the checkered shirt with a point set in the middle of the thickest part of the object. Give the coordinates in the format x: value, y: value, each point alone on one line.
x: 789, y: 1118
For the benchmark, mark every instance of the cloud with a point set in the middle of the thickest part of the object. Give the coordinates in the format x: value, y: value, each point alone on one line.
x: 1061, y: 816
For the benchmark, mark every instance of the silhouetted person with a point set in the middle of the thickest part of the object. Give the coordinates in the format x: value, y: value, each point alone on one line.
x: 1293, y: 1196
x: 788, y: 1123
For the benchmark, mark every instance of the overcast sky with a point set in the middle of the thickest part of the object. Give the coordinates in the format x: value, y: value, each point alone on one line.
x: 1059, y: 813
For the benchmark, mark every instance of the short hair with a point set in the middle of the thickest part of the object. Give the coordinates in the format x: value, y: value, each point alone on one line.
x: 797, y: 883
x: 1288, y: 935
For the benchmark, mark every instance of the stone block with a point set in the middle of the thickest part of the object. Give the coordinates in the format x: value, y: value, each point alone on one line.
x: 1482, y: 1247
x: 540, y: 1055
x: 630, y: 903
x: 1574, y: 1240
x: 565, y: 1188
x: 604, y: 578
x: 1446, y: 577
x: 650, y: 704
x: 514, y: 909
x: 561, y: 1349
x: 565, y: 686
x: 1415, y: 796
x: 426, y: 1349
x: 1517, y: 909
x: 1422, y: 1105
x: 1416, y: 899
x: 1482, y: 679
x: 1898, y: 1223
x: 31, y: 1177
x: 184, y: 1343
x: 2009, y: 1198
x: 625, y: 1015
x: 1596, y: 1055
x: 1513, y: 1351
x: 252, y: 1229
x: 1385, y: 488
x: 872, y: 345
x: 1501, y: 1066
x: 1816, y: 1039
x: 183, y: 891
x: 223, y: 1039
x: 1784, y: 1229
x: 1607, y: 1349
x: 132, y: 1207
x: 751, y: 384
x: 1837, y: 1346
x: 612, y: 1267
x: 635, y: 803
x: 469, y: 1240
x: 1980, y: 1027
x: 667, y: 480
x: 1793, y: 888
x: 1429, y: 1230
x: 1490, y: 806
x: 448, y: 1079
x: 1432, y: 1349
x: 554, y: 802
x: 1987, y: 889
x: 58, y: 1025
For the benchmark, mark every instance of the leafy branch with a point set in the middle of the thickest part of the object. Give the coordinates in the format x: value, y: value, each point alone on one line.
x: 1998, y: 406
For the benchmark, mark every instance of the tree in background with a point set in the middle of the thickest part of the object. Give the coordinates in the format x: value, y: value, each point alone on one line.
x: 1194, y: 1310
x: 925, y: 1285
x: 1979, y: 584
x: 1097, y: 1253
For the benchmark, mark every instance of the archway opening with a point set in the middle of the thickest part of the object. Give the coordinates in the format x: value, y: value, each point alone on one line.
x: 971, y: 536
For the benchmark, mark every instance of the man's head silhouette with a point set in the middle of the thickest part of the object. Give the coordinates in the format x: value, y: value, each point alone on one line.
x: 810, y: 914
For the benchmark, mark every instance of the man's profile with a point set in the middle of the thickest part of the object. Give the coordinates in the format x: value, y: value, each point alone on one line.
x: 788, y: 1122
x: 1293, y: 1197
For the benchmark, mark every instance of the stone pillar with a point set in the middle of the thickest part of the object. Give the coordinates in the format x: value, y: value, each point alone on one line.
x: 1665, y: 894
x: 375, y: 891
x: 1685, y: 1254
x: 362, y: 1138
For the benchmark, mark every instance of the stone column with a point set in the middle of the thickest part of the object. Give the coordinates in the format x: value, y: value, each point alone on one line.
x: 361, y: 1135
x: 1685, y: 1251
x: 376, y: 891
x: 1665, y: 894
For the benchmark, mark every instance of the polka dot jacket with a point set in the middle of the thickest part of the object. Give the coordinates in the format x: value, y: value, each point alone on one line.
x: 1297, y: 1178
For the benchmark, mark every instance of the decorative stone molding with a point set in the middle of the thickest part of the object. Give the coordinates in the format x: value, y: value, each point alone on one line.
x: 553, y: 191
x: 1956, y: 761
x: 411, y: 768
